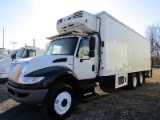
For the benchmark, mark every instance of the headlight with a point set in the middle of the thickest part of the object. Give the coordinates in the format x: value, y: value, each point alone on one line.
x: 17, y: 73
x: 30, y: 80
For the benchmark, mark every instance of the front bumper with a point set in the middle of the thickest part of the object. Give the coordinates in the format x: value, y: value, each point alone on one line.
x: 26, y: 96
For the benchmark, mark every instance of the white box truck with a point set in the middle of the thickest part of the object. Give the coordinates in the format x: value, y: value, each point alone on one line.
x: 89, y: 48
x: 23, y: 52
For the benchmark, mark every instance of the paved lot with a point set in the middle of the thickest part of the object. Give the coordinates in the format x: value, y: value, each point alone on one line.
x: 142, y: 103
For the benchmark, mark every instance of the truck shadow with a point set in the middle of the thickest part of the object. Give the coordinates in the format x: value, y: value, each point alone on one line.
x: 3, y: 81
x: 127, y: 89
x: 3, y: 94
x: 111, y: 90
x: 106, y: 91
x: 23, y: 112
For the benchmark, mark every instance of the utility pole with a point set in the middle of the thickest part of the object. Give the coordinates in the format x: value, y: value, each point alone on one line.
x: 3, y: 38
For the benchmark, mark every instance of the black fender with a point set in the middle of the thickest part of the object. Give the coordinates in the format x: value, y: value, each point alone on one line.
x: 57, y: 74
x: 52, y: 74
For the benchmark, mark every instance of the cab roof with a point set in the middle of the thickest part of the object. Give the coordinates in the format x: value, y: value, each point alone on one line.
x: 73, y: 33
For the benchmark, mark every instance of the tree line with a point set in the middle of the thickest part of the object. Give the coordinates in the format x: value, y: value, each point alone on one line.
x: 153, y: 34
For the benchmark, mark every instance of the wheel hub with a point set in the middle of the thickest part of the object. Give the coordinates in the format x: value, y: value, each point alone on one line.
x: 62, y: 102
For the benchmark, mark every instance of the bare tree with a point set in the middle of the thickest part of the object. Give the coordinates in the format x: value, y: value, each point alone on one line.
x: 153, y: 34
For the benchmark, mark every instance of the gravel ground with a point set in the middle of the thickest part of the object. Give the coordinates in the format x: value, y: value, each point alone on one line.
x: 142, y: 103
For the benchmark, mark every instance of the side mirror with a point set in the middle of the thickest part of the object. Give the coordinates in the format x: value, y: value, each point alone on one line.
x: 92, y: 46
x: 91, y: 53
x: 13, y: 56
x: 92, y: 43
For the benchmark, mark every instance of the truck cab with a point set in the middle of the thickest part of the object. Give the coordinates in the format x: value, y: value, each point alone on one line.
x: 63, y: 65
x: 74, y: 54
x: 26, y: 52
x: 65, y: 73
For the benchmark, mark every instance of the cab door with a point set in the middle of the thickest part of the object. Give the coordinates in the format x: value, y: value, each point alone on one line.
x: 84, y: 67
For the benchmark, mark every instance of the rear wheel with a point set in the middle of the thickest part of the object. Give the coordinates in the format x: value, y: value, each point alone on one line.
x: 132, y: 81
x: 140, y: 79
x: 59, y: 102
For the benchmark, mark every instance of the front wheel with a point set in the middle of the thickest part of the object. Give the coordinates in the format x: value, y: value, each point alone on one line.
x: 59, y: 102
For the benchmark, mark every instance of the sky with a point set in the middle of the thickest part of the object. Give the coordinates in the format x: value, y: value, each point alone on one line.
x: 25, y: 20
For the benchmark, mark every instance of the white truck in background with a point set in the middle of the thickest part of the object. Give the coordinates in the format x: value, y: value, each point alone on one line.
x: 24, y: 52
x: 89, y: 48
x: 5, y: 53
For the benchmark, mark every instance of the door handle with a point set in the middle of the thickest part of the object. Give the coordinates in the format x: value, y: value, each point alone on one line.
x: 81, y: 60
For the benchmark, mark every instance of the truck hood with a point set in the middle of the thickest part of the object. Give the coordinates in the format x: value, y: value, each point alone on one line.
x: 44, y: 61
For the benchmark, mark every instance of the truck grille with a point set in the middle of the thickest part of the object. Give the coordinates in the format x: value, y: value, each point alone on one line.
x: 78, y: 14
x: 16, y: 72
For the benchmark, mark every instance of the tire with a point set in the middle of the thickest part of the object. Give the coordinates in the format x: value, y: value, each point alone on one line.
x: 59, y: 102
x: 132, y: 81
x: 140, y: 79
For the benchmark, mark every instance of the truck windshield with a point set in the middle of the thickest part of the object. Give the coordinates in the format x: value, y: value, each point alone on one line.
x: 20, y: 52
x: 62, y: 46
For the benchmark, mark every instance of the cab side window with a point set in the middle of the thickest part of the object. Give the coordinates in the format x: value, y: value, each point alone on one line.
x: 83, y: 49
x: 30, y: 53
